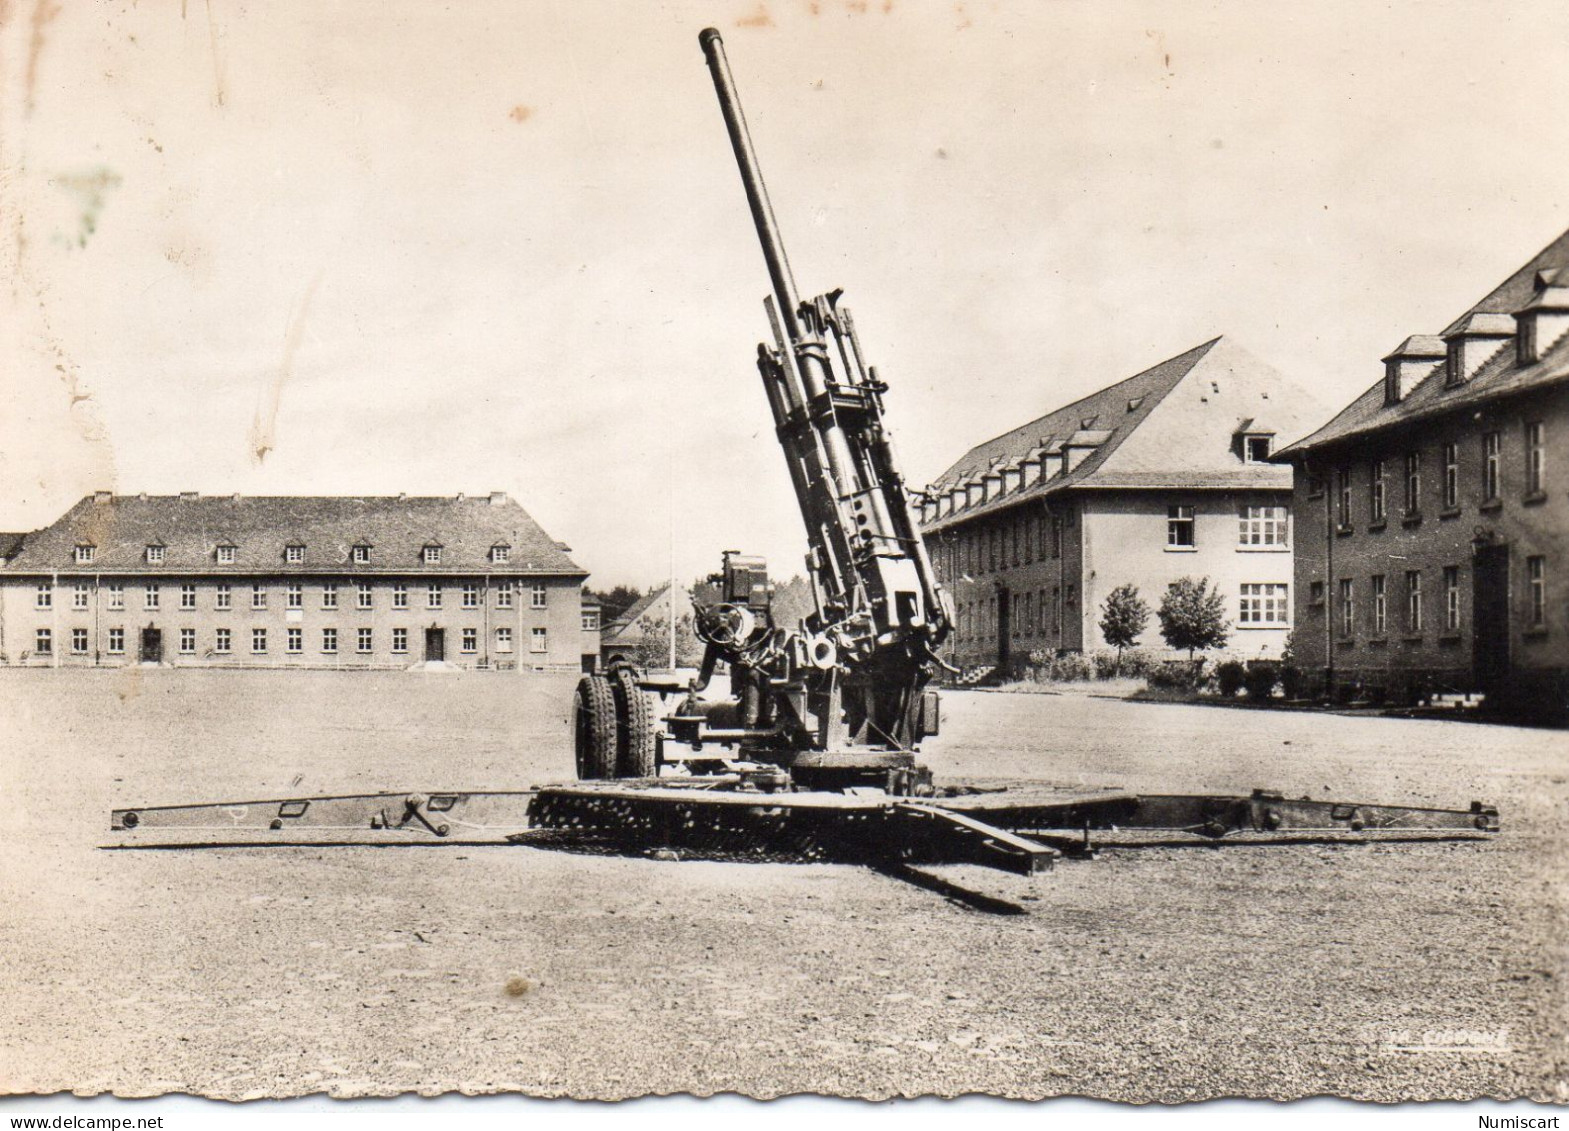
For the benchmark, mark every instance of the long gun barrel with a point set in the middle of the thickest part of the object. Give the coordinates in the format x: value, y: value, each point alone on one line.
x: 867, y: 557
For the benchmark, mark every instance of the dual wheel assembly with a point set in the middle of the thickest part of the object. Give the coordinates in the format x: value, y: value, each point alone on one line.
x: 613, y: 732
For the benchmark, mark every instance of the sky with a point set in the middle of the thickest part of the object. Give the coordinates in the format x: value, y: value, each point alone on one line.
x: 304, y: 247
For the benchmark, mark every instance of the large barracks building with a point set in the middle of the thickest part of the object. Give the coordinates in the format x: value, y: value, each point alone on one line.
x: 291, y: 582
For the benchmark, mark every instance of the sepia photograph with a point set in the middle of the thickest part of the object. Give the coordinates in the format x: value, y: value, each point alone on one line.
x: 480, y: 616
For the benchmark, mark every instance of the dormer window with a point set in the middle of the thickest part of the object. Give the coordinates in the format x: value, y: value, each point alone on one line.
x: 155, y: 555
x: 432, y: 555
x: 85, y: 554
x: 226, y: 555
x: 361, y: 554
x: 294, y: 553
x: 1256, y: 449
x: 500, y: 553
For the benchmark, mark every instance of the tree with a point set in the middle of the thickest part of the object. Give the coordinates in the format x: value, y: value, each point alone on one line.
x: 1193, y: 616
x: 614, y: 602
x: 1123, y: 618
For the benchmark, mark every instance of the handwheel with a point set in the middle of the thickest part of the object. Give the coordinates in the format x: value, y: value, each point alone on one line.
x: 594, y: 731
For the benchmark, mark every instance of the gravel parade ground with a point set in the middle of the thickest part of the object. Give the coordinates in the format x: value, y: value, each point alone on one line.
x: 1382, y: 972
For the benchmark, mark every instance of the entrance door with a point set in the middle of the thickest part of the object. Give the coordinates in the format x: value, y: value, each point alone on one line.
x: 435, y: 644
x: 1004, y: 625
x: 1490, y: 615
x: 152, y: 646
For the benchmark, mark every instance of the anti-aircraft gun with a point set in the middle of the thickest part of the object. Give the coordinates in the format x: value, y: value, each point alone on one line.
x: 813, y: 753
x: 841, y: 698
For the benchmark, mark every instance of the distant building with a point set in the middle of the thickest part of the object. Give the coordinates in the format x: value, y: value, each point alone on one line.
x: 1434, y: 509
x: 591, y: 628
x: 1161, y: 476
x: 641, y: 635
x: 292, y: 582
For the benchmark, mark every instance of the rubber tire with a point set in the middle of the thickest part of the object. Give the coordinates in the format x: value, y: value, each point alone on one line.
x: 594, y: 729
x: 635, y: 745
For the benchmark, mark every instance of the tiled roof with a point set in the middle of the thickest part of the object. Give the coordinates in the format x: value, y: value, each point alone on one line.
x: 1146, y: 434
x: 627, y: 628
x: 1500, y: 375
x: 10, y: 544
x: 1116, y: 410
x: 191, y: 528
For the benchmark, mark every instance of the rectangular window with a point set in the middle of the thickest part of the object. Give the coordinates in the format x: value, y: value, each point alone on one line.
x: 1452, y: 598
x: 1056, y: 536
x: 187, y: 640
x: 79, y: 595
x: 79, y: 642
x: 500, y: 554
x: 329, y: 595
x: 1256, y: 449
x: 362, y: 555
x: 1451, y: 476
x: 433, y: 596
x: 1348, y: 619
x: 362, y: 596
x: 1535, y: 457
x: 45, y: 596
x: 432, y: 555
x: 539, y: 640
x: 1413, y: 483
x: 150, y: 597
x: 503, y: 594
x: 294, y: 596
x: 258, y: 640
x: 223, y: 641
x: 1179, y: 525
x: 590, y: 620
x: 117, y: 641
x: 1315, y: 592
x: 222, y: 598
x: 329, y: 640
x: 1414, y: 600
x: 536, y: 595
x: 400, y: 640
x: 470, y: 595
x: 116, y: 595
x: 503, y: 639
x: 1056, y: 610
x: 1343, y: 498
x: 471, y: 640
x: 225, y: 555
x: 43, y: 642
x: 1262, y: 526
x: 400, y: 596
x: 1380, y: 605
x: 363, y: 640
x: 1375, y: 496
x: 1492, y: 444
x: 258, y: 596
x: 187, y: 596
x: 155, y: 555
x: 1264, y: 604
x: 1536, y: 584
x: 85, y: 554
x: 294, y: 555
x: 295, y: 642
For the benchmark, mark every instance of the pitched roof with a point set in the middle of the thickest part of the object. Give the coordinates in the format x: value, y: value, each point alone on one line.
x: 1171, y: 426
x: 191, y: 528
x: 10, y: 543
x: 1500, y: 375
x: 629, y: 627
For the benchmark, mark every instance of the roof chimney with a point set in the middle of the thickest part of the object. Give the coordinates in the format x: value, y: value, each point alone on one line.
x: 189, y: 496
x: 1477, y: 338
x: 1544, y: 320
x: 1411, y: 360
x: 498, y: 498
x: 101, y: 497
x: 460, y: 496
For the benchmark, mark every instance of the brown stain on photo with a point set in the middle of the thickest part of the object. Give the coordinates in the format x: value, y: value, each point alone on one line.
x: 759, y: 18
x: 44, y: 11
x: 264, y: 428
x: 521, y: 113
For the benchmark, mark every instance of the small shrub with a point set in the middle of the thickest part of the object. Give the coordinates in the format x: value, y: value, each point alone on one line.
x: 1293, y: 681
x: 1259, y: 681
x: 1229, y: 677
x: 1178, y: 676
